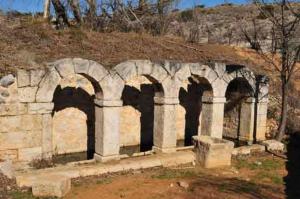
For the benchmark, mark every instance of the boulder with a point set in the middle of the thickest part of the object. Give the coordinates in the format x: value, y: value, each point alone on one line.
x: 7, y: 80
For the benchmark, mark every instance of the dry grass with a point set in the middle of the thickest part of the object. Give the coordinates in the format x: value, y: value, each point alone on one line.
x: 29, y: 42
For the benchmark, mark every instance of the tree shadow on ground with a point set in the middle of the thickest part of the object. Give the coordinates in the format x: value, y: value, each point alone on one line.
x: 234, y: 188
x: 292, y: 180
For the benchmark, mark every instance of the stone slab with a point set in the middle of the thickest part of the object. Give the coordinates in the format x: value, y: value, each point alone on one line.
x: 51, y: 185
x: 273, y: 145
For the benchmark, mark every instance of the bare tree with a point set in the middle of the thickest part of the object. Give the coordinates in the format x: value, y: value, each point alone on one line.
x: 76, y: 10
x: 46, y: 9
x: 285, y: 20
x: 60, y: 10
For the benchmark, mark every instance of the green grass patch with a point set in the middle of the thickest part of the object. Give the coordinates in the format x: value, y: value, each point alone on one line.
x: 269, y: 176
x: 266, y: 164
x: 171, y: 174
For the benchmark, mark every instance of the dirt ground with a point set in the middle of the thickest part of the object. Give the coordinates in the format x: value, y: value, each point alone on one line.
x: 263, y: 175
x: 250, y: 177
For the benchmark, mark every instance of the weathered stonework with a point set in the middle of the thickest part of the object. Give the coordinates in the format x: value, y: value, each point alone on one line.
x: 35, y: 122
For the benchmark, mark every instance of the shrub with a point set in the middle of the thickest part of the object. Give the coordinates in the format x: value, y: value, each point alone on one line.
x: 187, y: 15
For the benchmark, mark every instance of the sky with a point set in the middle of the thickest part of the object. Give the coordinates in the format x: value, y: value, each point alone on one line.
x: 37, y: 5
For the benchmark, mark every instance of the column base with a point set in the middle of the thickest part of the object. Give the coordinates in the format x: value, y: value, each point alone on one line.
x: 164, y: 150
x: 100, y: 158
x: 247, y: 141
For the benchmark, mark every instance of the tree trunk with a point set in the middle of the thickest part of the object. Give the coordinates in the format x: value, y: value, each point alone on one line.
x: 284, y: 111
x: 92, y: 12
x: 46, y: 9
x: 60, y: 12
x: 76, y: 10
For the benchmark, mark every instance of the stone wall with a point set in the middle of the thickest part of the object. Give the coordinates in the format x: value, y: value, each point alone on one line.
x: 77, y: 105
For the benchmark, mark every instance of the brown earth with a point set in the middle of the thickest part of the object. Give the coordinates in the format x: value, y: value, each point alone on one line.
x: 245, y: 180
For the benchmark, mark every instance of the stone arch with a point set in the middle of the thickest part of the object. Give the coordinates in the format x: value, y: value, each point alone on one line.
x: 143, y: 88
x: 65, y: 67
x: 239, y: 108
x: 47, y: 87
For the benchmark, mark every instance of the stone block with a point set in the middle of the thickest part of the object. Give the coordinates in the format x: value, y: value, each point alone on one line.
x: 172, y: 67
x: 273, y: 145
x: 81, y: 66
x: 17, y: 140
x: 144, y: 67
x: 31, y: 122
x: 7, y: 80
x: 64, y: 67
x: 213, y: 152
x: 97, y: 71
x: 23, y: 78
x: 184, y: 73
x: 48, y: 86
x: 8, y: 109
x: 27, y: 94
x: 112, y: 86
x: 9, y: 124
x: 127, y: 70
x: 9, y: 154
x: 29, y: 154
x: 36, y: 76
x: 159, y: 73
x: 40, y: 108
x: 47, y: 135
x: 7, y: 169
x: 51, y: 185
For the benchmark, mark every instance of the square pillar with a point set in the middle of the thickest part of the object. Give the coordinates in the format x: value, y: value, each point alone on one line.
x: 212, y: 116
x: 107, y: 130
x: 246, y: 131
x: 47, y: 136
x: 261, y: 119
x: 165, y: 124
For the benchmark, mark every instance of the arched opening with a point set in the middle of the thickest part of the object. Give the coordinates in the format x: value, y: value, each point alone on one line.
x: 137, y: 115
x: 190, y: 98
x: 237, y: 110
x: 74, y: 119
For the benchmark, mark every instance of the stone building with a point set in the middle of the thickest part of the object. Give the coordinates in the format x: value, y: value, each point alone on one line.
x: 77, y: 105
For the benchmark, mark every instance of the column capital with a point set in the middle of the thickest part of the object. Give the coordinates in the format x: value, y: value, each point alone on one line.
x: 263, y: 100
x: 212, y: 99
x: 250, y: 100
x: 166, y: 100
x: 108, y: 103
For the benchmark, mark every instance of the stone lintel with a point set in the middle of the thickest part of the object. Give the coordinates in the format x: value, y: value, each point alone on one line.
x: 108, y: 103
x: 101, y: 158
x: 166, y: 101
x: 40, y: 108
x: 213, y: 100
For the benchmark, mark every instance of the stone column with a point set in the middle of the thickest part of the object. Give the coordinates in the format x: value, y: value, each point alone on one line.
x: 165, y: 124
x: 46, y: 110
x: 212, y: 115
x: 107, y: 130
x: 261, y: 119
x: 246, y: 130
